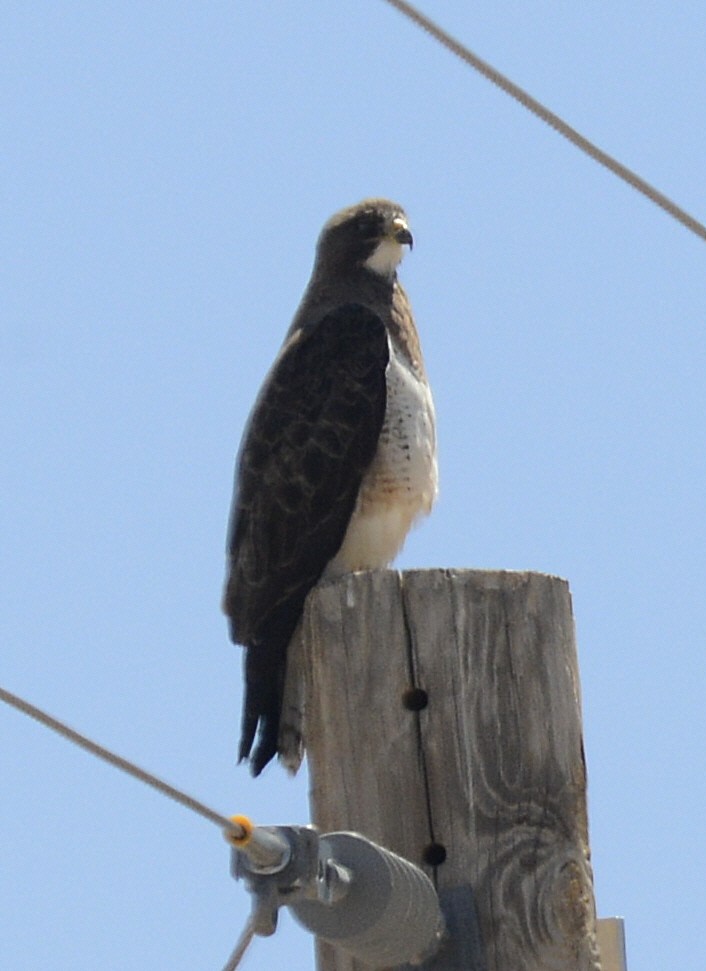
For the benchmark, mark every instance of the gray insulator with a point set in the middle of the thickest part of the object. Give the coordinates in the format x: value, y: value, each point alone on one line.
x: 390, y: 913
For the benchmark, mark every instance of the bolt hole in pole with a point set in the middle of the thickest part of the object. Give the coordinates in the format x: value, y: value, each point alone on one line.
x: 415, y: 699
x: 434, y: 854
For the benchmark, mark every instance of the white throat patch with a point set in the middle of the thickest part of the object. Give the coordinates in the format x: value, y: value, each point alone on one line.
x: 385, y: 258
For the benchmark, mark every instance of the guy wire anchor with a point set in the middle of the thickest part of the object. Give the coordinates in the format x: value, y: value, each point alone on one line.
x: 342, y: 887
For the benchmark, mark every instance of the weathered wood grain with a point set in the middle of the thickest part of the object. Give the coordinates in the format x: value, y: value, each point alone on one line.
x: 490, y: 773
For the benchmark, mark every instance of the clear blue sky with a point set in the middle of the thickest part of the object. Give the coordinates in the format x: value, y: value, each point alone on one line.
x: 165, y: 169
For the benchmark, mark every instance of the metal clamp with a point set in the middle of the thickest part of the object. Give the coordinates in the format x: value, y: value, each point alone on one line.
x: 344, y: 888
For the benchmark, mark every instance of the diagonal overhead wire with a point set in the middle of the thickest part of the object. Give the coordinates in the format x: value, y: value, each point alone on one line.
x: 120, y: 763
x: 230, y: 826
x: 551, y: 119
x: 241, y: 947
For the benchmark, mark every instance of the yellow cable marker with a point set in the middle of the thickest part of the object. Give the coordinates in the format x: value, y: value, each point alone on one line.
x: 246, y: 825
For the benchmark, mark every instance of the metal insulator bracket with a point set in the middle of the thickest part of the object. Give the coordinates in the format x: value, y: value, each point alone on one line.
x: 344, y: 888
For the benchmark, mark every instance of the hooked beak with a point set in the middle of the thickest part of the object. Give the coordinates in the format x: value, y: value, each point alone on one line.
x: 401, y: 233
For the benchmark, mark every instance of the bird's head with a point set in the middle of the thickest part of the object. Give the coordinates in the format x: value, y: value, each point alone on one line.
x: 369, y: 235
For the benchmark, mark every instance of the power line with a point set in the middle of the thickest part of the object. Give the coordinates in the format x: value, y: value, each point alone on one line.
x: 551, y: 119
x: 241, y: 947
x: 232, y: 827
x: 119, y: 762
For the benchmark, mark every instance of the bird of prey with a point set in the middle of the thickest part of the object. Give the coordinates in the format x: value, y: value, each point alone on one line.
x: 338, y: 457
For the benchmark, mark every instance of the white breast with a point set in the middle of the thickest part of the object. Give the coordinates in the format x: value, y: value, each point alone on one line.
x: 402, y: 482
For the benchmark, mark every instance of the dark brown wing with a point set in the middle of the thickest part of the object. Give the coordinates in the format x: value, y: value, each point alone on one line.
x: 313, y: 433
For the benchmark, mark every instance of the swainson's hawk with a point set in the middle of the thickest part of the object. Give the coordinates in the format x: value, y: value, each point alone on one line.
x: 338, y: 457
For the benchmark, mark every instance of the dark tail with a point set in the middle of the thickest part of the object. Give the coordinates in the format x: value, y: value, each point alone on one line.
x: 265, y: 667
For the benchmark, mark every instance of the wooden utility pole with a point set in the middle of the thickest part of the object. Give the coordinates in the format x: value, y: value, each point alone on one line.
x: 442, y: 720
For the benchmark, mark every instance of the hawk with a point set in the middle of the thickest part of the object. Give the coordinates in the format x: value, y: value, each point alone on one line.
x: 338, y: 457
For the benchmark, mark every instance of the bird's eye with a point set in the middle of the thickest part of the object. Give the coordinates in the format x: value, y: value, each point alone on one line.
x: 366, y: 227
